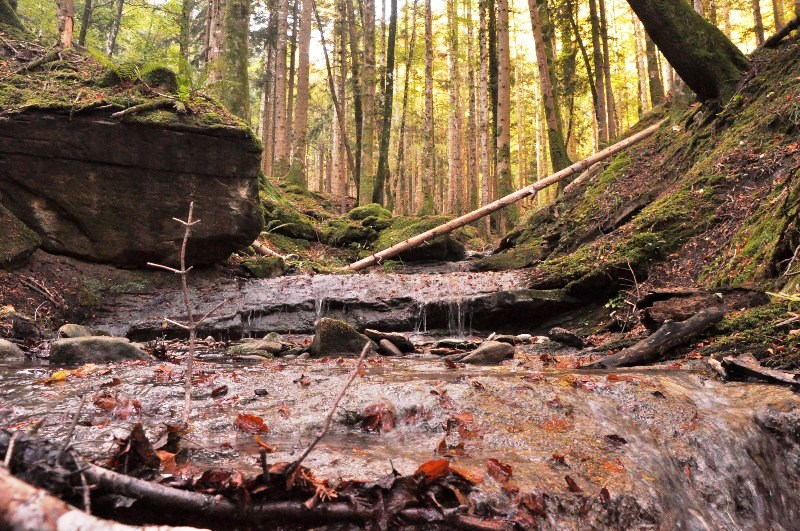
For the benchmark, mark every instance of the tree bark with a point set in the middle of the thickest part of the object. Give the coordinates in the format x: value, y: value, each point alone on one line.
x: 610, y: 104
x: 301, y: 112
x: 111, y: 41
x: 367, y: 177
x: 599, y: 80
x: 216, y: 40
x: 281, y: 165
x: 379, y: 191
x: 268, y: 94
x: 428, y: 153
x: 405, y: 184
x: 235, y: 95
x: 290, y: 83
x: 758, y: 22
x: 503, y: 202
x: 653, y: 73
x: 454, y: 112
x: 86, y: 21
x: 472, y: 121
x: 355, y: 80
x: 777, y: 14
x: 709, y: 63
x: 483, y: 103
x: 508, y: 216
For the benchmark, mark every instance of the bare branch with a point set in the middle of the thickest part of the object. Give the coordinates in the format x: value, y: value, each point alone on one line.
x: 170, y: 269
x: 212, y: 310
x: 176, y: 323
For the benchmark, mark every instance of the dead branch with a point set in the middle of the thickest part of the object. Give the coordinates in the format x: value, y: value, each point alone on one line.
x: 653, y: 348
x: 49, y: 57
x: 326, y: 426
x: 263, y: 250
x: 40, y: 288
x: 593, y: 170
x: 23, y: 506
x: 161, y: 103
x: 503, y: 202
x: 782, y: 33
x: 746, y: 366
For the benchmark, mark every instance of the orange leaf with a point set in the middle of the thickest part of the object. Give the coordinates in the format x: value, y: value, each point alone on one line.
x: 265, y: 446
x: 251, y: 423
x: 434, y: 469
x: 466, y: 474
x: 499, y: 471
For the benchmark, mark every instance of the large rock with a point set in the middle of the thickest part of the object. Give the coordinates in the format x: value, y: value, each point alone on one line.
x: 9, y: 350
x: 17, y: 241
x: 106, y: 190
x: 337, y: 338
x: 259, y: 347
x: 71, y: 330
x: 489, y: 353
x: 94, y: 350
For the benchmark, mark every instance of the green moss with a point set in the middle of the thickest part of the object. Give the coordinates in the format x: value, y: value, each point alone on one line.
x: 370, y: 210
x: 265, y: 266
x: 344, y: 232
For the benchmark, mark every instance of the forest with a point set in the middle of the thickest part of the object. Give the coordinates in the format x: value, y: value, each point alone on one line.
x: 341, y: 264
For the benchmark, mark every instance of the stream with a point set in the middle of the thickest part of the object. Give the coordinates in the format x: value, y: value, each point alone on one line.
x: 674, y: 448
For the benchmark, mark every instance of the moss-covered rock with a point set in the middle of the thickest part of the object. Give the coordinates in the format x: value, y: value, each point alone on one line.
x: 265, y: 266
x: 343, y: 232
x: 446, y: 247
x: 17, y: 242
x: 370, y: 210
x: 337, y: 338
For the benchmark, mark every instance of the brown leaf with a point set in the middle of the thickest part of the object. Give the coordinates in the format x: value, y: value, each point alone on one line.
x: 450, y: 364
x: 284, y: 410
x: 499, y: 471
x: 378, y: 417
x: 605, y: 496
x: 265, y: 446
x: 572, y: 485
x: 251, y: 423
x: 434, y: 469
x: 466, y: 474
x: 222, y: 390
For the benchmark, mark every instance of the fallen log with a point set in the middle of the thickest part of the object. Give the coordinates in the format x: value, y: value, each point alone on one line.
x: 781, y: 34
x: 746, y: 366
x: 653, y: 348
x: 503, y: 202
x: 23, y: 506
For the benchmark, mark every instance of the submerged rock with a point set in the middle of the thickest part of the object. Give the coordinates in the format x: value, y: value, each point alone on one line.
x: 337, y: 338
x: 399, y: 340
x: 260, y: 347
x: 94, y: 350
x: 70, y: 330
x: 388, y: 348
x: 10, y: 350
x: 489, y: 353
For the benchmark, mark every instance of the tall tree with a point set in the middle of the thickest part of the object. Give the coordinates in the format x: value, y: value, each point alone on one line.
x: 777, y: 13
x: 355, y: 79
x: 388, y: 95
x: 301, y: 112
x: 508, y: 216
x: 184, y: 35
x: 428, y: 152
x: 268, y: 92
x: 653, y: 73
x: 610, y: 104
x: 281, y: 164
x: 453, y: 130
x: 116, y: 22
x: 229, y: 80
x: 472, y: 121
x: 367, y: 177
x: 66, y: 20
x: 758, y: 22
x: 599, y: 68
x: 86, y: 21
x: 404, y: 182
x: 292, y: 47
x: 705, y: 59
x: 542, y: 35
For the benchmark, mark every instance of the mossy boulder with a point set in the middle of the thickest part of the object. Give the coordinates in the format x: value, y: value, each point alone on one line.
x: 371, y: 210
x: 282, y: 216
x: 337, y: 338
x: 71, y: 330
x: 446, y: 247
x: 266, y: 348
x: 94, y: 350
x: 265, y: 266
x: 343, y: 232
x: 18, y: 241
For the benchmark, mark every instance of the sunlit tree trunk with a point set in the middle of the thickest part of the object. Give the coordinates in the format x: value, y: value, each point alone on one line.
x: 586, y: 61
x: 599, y: 80
x: 777, y: 13
x: 508, y: 216
x: 116, y: 22
x: 290, y: 80
x: 610, y: 104
x: 281, y: 164
x: 402, y: 178
x: 355, y: 81
x: 268, y: 94
x: 471, y: 136
x: 86, y: 21
x: 301, y: 112
x: 641, y: 68
x: 367, y: 178
x: 542, y: 30
x: 428, y: 154
x: 216, y: 39
x: 235, y: 56
x: 653, y: 73
x: 483, y: 104
x: 758, y: 23
x: 66, y: 20
x: 381, y: 177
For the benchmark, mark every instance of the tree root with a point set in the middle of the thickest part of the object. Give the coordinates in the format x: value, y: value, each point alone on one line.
x: 161, y: 103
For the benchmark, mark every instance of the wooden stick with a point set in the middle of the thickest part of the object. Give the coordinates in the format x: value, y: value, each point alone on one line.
x: 773, y: 41
x: 503, y: 201
x: 329, y: 417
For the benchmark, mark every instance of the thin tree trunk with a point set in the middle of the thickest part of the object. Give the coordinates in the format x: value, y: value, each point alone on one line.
x: 216, y: 40
x: 653, y: 73
x: 453, y: 133
x: 235, y: 57
x: 473, y: 138
x: 86, y: 21
x: 582, y: 47
x: 401, y: 169
x: 381, y: 177
x: 508, y: 216
x: 268, y: 94
x: 777, y: 14
x: 599, y: 79
x: 342, y: 93
x: 358, y: 98
x: 281, y: 164
x: 758, y: 23
x: 367, y: 176
x: 301, y: 113
x: 111, y: 41
x: 641, y: 67
x: 291, y: 81
x: 555, y: 136
x: 428, y: 154
x: 610, y: 104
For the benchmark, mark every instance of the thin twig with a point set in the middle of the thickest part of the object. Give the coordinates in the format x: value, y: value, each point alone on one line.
x: 791, y: 262
x: 87, y: 495
x: 74, y: 424
x: 329, y: 417
x: 170, y: 269
x: 10, y: 450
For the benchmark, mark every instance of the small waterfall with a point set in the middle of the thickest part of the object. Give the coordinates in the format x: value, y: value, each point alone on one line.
x: 421, y: 325
x: 321, y: 307
x: 459, y: 318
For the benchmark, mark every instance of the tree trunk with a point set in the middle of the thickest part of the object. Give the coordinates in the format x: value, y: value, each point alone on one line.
x: 428, y: 153
x: 301, y: 112
x: 235, y: 56
x: 777, y: 14
x: 281, y: 156
x: 184, y: 36
x: 610, y: 105
x: 653, y: 73
x: 542, y: 28
x: 86, y: 21
x: 472, y: 137
x: 367, y: 177
x: 268, y: 94
x: 111, y: 41
x: 453, y: 133
x: 291, y: 81
x: 216, y: 40
x: 508, y: 216
x: 381, y: 177
x: 599, y: 80
x: 355, y: 79
x: 582, y: 47
x: 758, y: 23
x: 641, y: 66
x: 341, y: 177
x: 703, y: 57
x: 405, y: 185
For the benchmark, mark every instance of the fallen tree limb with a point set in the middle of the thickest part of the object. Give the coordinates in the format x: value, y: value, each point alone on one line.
x: 161, y: 103
x: 781, y: 34
x: 653, y: 348
x: 263, y: 250
x: 746, y: 366
x: 503, y: 202
x: 23, y: 506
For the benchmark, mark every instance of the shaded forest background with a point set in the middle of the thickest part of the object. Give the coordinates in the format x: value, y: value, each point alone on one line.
x: 425, y: 107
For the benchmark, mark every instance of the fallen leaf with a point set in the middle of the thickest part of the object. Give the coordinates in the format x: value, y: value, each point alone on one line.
x: 605, y: 496
x: 499, y: 471
x: 572, y: 485
x: 284, y: 410
x: 434, y: 469
x: 556, y: 425
x: 251, y: 423
x: 616, y: 440
x: 470, y: 476
x: 613, y: 466
x: 265, y: 446
x: 219, y: 391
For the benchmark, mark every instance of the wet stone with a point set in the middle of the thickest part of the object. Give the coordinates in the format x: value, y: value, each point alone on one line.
x: 260, y: 392
x: 10, y: 350
x: 388, y: 348
x: 460, y: 344
x: 258, y: 347
x: 399, y: 340
x: 489, y: 353
x: 565, y: 337
x: 71, y: 330
x: 94, y: 350
x: 337, y: 338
